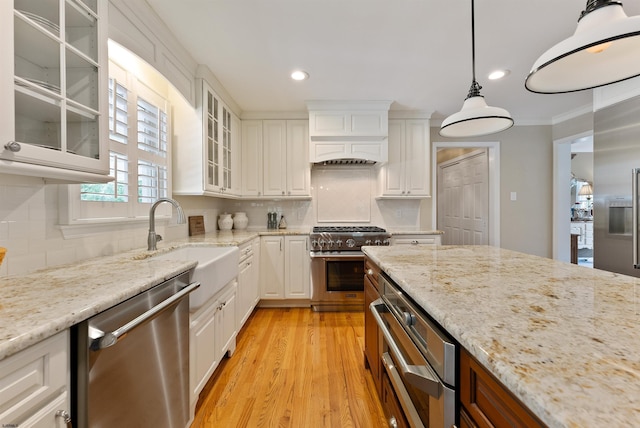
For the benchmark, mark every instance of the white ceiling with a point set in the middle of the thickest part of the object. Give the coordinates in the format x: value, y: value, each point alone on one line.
x: 416, y: 53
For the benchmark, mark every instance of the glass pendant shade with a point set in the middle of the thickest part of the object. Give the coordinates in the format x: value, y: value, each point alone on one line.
x: 475, y: 119
x: 603, y: 50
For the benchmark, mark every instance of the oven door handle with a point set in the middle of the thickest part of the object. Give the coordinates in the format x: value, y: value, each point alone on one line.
x: 422, y: 377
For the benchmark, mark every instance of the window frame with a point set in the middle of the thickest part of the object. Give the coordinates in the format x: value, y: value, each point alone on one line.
x: 80, y: 218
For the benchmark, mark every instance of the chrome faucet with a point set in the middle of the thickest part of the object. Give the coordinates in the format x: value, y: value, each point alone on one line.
x: 153, y: 238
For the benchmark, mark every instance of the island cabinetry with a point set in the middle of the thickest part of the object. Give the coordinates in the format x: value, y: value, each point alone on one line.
x: 248, y: 285
x: 485, y: 403
x: 212, y: 334
x: 53, y: 84
x: 406, y: 174
x: 209, y: 163
x: 34, y: 385
x: 285, y: 267
x: 372, y: 339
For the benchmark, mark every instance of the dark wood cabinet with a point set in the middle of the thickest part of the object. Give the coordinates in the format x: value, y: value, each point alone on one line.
x: 372, y: 339
x: 391, y: 406
x: 486, y: 403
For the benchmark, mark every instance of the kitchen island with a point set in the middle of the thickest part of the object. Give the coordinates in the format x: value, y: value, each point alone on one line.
x: 563, y: 339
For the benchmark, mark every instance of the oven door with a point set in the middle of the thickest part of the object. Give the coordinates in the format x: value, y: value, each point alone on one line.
x: 337, y: 278
x: 425, y: 399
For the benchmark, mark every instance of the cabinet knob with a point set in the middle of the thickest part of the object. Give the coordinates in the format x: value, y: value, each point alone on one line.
x: 393, y: 423
x: 369, y: 271
x: 13, y: 146
x: 66, y: 418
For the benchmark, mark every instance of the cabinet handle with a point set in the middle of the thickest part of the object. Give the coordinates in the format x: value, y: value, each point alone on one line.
x: 66, y: 418
x: 13, y: 146
x: 370, y: 272
x: 283, y: 192
x: 393, y: 422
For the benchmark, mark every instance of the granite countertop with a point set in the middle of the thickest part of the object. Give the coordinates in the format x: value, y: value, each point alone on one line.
x: 563, y: 338
x: 38, y: 305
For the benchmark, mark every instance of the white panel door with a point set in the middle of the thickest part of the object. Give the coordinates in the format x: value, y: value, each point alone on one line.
x: 298, y: 166
x: 463, y: 200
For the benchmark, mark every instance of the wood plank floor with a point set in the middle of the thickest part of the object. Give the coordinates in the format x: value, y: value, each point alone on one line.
x: 294, y: 368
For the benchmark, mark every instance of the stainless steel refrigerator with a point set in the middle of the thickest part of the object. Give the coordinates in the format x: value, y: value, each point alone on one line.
x: 616, y: 162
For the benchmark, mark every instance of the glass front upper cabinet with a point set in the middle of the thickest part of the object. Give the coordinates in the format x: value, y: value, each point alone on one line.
x: 59, y: 87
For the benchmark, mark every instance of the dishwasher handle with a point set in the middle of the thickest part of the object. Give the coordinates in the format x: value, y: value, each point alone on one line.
x: 422, y: 377
x: 105, y: 340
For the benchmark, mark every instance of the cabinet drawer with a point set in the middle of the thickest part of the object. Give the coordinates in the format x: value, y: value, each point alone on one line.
x: 431, y: 240
x: 487, y: 402
x: 31, y: 377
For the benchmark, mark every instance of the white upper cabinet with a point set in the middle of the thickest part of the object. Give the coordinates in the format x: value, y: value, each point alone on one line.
x: 275, y: 158
x: 209, y: 164
x: 54, y: 89
x: 407, y: 172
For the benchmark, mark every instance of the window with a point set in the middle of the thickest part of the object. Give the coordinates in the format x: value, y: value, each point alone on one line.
x: 139, y: 143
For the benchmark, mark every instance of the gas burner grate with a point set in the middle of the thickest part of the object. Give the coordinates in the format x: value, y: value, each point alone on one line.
x: 348, y: 229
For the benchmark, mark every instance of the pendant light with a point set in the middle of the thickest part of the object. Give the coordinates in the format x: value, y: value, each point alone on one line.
x: 603, y: 50
x: 476, y: 117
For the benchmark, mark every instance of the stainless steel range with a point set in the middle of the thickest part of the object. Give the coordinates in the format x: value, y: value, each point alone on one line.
x: 337, y: 265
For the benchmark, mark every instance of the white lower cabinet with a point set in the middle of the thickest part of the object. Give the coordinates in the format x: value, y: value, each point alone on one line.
x: 285, y: 267
x: 34, y: 384
x: 212, y: 333
x: 248, y: 281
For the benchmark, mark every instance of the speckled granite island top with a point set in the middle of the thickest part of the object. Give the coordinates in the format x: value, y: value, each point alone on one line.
x: 36, y: 306
x: 564, y: 339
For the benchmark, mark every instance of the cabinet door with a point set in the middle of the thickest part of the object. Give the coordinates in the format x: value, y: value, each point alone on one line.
x: 272, y: 267
x: 226, y: 323
x: 274, y: 154
x: 417, y: 158
x: 203, y: 355
x: 244, y: 297
x: 297, y: 268
x: 255, y: 272
x: 252, y: 158
x: 298, y: 166
x: 54, y: 89
x: 393, y: 170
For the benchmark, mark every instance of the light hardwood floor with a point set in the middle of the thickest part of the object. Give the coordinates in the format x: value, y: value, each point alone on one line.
x: 294, y: 368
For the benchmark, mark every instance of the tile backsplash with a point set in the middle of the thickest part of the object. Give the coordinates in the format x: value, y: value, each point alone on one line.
x: 30, y: 230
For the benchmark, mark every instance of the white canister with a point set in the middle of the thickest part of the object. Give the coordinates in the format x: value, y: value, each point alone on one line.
x: 225, y: 222
x: 240, y: 221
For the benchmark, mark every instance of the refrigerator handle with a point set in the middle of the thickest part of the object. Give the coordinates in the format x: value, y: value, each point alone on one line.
x: 634, y: 198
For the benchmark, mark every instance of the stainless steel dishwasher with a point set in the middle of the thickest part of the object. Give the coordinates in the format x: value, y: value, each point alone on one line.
x: 133, y: 361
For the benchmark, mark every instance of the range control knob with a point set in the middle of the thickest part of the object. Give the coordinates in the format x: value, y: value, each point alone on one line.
x: 321, y: 243
x: 338, y: 243
x: 314, y: 243
x: 329, y: 243
x: 409, y: 319
x: 386, y: 242
x: 378, y: 242
x: 351, y: 243
x: 367, y: 242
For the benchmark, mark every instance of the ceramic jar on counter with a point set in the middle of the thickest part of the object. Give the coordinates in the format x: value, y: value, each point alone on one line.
x: 240, y: 221
x: 225, y: 222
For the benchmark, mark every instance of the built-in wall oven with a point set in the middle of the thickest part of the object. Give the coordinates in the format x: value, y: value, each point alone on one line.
x: 337, y: 265
x: 419, y: 359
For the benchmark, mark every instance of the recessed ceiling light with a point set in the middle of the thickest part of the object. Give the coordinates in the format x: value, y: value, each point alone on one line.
x: 299, y: 75
x: 498, y: 74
